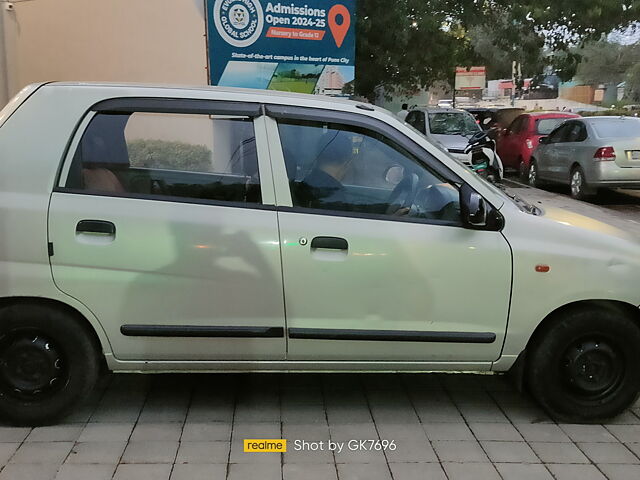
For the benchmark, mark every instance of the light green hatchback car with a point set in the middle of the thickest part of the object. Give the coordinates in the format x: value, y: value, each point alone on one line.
x: 155, y: 229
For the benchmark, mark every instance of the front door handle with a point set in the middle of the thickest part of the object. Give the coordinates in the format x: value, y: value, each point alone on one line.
x: 101, y: 227
x: 330, y: 243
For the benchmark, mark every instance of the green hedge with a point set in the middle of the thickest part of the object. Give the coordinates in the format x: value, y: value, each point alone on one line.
x: 169, y: 155
x: 618, y: 112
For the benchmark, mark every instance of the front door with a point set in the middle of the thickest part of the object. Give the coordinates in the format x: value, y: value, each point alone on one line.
x: 376, y: 263
x: 164, y: 226
x: 550, y: 162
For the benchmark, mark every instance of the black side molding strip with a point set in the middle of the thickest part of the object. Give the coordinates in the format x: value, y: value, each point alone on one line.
x: 196, y: 331
x: 392, y: 335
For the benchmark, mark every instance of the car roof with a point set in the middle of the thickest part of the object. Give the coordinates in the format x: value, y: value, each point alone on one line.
x: 440, y: 110
x: 260, y: 95
x: 609, y: 118
x: 553, y: 114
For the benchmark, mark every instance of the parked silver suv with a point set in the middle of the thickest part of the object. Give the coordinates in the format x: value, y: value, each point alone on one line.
x: 178, y: 229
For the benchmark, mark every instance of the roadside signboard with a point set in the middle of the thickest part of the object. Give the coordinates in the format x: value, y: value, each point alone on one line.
x: 305, y: 46
x: 473, y: 78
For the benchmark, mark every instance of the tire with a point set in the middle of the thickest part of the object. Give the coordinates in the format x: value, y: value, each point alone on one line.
x: 585, y: 366
x: 578, y: 185
x: 523, y: 171
x: 532, y: 176
x: 48, y: 363
x: 493, y: 176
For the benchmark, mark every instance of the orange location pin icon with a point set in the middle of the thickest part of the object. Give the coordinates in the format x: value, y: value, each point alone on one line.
x: 339, y: 30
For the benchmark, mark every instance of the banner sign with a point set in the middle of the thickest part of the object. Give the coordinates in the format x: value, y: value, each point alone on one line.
x: 305, y: 46
x: 474, y: 78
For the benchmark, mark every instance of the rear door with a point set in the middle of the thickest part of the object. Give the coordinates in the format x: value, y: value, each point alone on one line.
x: 163, y: 224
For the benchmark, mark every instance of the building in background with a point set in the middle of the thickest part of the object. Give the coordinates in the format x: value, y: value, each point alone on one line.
x: 118, y: 40
x: 331, y: 82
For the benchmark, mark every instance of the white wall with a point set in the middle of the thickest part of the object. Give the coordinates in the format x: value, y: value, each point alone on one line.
x: 153, y: 41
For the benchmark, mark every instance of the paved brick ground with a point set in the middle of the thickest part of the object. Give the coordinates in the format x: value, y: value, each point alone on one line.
x: 191, y: 427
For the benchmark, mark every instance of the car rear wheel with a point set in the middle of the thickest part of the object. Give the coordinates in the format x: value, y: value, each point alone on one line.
x: 48, y: 362
x: 579, y: 188
x: 584, y: 367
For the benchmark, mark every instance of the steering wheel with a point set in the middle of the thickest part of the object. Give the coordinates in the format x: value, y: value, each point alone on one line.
x: 478, y: 136
x: 404, y: 194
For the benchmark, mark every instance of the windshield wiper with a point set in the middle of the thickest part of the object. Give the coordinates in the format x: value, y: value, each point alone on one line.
x: 526, y: 206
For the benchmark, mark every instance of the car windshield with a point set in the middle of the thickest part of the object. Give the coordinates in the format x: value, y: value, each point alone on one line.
x: 545, y: 126
x: 452, y: 123
x: 617, y: 128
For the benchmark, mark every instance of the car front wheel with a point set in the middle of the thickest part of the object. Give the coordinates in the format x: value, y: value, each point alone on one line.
x: 585, y: 366
x: 533, y: 179
x: 48, y: 363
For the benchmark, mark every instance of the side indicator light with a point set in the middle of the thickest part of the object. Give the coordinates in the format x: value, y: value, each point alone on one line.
x: 542, y: 268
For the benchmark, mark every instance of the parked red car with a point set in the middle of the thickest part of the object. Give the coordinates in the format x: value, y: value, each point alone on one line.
x: 517, y: 143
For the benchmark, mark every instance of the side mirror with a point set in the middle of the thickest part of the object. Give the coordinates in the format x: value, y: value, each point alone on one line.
x: 543, y: 140
x: 473, y: 208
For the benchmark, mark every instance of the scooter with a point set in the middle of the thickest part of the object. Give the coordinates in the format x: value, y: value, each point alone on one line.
x: 484, y: 158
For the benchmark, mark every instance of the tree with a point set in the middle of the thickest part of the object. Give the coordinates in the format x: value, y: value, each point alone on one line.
x: 606, y: 62
x: 633, y: 83
x: 410, y: 44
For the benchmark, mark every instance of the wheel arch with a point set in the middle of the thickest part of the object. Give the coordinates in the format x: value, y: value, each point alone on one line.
x: 63, y: 307
x: 518, y: 369
x: 574, y: 166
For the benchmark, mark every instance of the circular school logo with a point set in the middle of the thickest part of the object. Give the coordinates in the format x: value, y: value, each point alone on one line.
x: 239, y: 22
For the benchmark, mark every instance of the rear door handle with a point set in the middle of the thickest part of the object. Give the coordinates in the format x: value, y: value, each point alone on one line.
x: 330, y: 243
x: 96, y: 226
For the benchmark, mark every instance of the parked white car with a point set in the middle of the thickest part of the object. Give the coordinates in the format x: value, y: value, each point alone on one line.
x: 181, y: 229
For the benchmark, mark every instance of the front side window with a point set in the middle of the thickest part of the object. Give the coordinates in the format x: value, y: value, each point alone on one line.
x: 343, y: 168
x: 560, y: 134
x: 416, y: 120
x: 517, y: 125
x: 577, y: 133
x: 193, y: 156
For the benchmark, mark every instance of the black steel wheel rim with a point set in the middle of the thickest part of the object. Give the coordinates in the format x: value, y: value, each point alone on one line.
x: 593, y: 367
x: 32, y: 365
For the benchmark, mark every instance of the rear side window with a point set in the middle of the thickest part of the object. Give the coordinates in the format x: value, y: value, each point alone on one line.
x: 193, y: 156
x: 545, y: 126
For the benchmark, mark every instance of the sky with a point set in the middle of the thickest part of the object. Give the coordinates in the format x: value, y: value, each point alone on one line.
x: 627, y: 36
